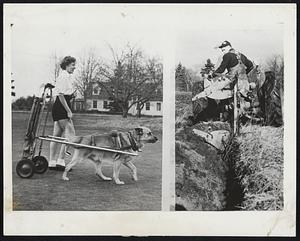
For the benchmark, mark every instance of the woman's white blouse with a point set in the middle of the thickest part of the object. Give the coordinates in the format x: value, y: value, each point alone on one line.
x: 63, y: 84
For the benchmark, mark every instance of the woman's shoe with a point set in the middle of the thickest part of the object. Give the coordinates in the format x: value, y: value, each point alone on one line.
x: 52, y: 165
x: 60, y: 168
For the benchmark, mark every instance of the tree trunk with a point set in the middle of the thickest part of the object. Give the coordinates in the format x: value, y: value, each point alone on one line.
x: 84, y: 102
x: 125, y: 110
x: 139, y: 109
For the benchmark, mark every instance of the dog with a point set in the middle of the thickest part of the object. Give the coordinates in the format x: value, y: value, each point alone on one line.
x: 131, y: 141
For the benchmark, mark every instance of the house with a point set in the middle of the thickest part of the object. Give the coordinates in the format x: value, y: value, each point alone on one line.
x: 97, y: 98
x: 153, y: 107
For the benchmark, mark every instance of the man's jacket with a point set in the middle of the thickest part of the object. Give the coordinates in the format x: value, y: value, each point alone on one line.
x: 230, y: 60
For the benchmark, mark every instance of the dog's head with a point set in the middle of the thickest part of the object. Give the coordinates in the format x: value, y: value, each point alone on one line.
x: 144, y: 135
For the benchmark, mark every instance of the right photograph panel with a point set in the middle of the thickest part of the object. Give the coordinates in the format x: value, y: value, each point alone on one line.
x: 229, y: 119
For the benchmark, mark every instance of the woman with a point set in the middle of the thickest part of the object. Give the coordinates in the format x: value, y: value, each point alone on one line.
x: 61, y: 112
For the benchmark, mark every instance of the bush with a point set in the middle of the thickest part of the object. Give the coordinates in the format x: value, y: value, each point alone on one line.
x: 23, y: 103
x: 183, y: 99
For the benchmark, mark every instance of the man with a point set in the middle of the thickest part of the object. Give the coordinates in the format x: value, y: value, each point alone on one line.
x: 236, y: 64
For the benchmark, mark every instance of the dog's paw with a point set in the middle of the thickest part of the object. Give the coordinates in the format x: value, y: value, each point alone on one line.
x: 134, y: 178
x: 65, y: 178
x: 120, y: 182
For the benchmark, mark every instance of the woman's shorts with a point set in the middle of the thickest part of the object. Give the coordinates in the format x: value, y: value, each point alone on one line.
x: 58, y: 110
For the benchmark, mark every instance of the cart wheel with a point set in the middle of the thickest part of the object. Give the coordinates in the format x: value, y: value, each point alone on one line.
x: 25, y: 168
x: 40, y: 164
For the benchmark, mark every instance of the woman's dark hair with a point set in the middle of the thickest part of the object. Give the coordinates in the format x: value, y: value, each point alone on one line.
x: 66, y: 61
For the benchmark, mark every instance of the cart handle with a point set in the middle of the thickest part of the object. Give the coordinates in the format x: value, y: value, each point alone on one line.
x: 87, y: 146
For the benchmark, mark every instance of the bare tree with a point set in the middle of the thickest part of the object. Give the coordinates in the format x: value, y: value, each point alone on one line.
x: 184, y: 78
x: 271, y: 93
x: 152, y: 88
x: 56, y: 66
x: 88, y: 68
x: 132, y: 77
x: 276, y: 65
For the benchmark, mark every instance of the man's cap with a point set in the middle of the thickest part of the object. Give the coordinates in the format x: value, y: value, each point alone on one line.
x: 224, y: 44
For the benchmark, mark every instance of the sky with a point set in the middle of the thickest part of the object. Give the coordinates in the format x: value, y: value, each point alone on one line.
x: 188, y: 32
x: 38, y: 34
x: 194, y: 47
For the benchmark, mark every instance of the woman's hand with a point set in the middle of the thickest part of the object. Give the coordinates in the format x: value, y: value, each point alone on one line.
x: 70, y: 114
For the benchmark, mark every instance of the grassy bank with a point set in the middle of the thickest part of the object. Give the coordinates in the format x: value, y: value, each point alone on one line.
x: 260, y: 167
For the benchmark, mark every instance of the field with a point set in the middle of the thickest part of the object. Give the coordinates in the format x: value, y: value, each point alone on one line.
x: 85, y: 191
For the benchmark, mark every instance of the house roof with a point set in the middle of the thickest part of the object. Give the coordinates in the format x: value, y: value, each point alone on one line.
x: 157, y: 95
x: 103, y: 94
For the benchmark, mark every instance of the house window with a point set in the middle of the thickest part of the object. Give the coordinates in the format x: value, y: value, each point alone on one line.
x: 95, y: 104
x: 158, y: 106
x: 96, y: 90
x: 147, y: 105
x: 105, y: 104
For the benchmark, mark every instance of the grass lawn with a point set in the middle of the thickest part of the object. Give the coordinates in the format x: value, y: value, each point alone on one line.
x: 85, y: 191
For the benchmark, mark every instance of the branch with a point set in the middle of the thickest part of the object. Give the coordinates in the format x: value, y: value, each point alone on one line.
x: 107, y: 90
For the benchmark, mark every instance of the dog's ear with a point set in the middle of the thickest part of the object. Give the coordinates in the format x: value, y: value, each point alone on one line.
x: 139, y: 131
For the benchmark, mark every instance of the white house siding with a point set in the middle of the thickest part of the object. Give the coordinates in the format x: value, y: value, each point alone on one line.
x: 100, y: 104
x: 153, y: 111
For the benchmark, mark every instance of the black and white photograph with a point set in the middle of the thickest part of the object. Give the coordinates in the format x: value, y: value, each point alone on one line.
x: 87, y: 111
x: 149, y: 119
x: 229, y: 119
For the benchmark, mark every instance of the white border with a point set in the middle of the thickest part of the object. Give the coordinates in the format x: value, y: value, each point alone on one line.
x: 280, y: 223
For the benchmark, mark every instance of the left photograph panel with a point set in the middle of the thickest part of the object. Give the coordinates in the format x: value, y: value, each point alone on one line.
x: 87, y: 107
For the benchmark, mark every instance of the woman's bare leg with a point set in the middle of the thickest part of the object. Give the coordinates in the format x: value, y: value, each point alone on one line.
x: 69, y: 131
x: 57, y: 131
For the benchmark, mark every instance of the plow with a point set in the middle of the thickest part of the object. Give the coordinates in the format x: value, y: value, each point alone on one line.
x: 222, y: 101
x: 229, y: 100
x: 232, y: 107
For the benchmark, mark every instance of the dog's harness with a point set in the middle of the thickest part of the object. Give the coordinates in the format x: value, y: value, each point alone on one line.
x: 115, y: 136
x: 93, y: 143
x: 118, y: 143
x: 133, y: 141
